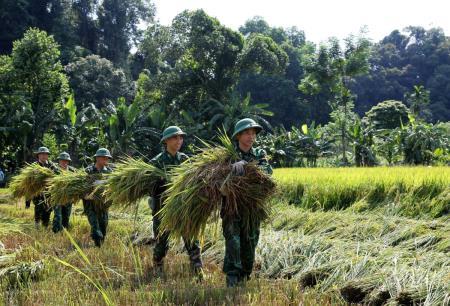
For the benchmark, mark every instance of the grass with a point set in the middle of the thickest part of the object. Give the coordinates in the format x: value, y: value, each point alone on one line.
x: 365, y: 251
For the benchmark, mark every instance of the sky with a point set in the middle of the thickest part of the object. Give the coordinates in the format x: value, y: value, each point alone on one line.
x: 320, y: 19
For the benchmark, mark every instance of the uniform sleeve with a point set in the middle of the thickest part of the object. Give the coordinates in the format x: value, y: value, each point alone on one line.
x: 263, y: 162
x: 183, y: 157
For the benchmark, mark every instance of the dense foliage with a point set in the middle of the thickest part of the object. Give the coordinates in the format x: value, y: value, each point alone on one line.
x: 75, y: 75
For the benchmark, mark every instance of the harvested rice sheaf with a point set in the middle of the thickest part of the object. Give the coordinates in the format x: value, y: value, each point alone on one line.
x: 203, y: 188
x: 31, y: 181
x: 132, y: 180
x: 71, y: 187
x: 21, y: 273
x: 356, y: 291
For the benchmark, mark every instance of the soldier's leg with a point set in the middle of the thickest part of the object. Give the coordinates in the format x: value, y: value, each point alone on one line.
x: 194, y: 251
x: 249, y: 241
x: 232, y: 265
x: 38, y: 209
x: 46, y: 212
x: 57, y: 219
x: 162, y: 239
x: 96, y: 233
x: 66, y: 211
x: 103, y: 222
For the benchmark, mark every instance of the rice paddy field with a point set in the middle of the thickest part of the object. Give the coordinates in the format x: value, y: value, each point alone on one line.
x: 369, y: 236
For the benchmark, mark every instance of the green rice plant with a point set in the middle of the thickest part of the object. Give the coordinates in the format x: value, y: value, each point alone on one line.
x: 132, y: 180
x: 410, y: 191
x: 31, y: 181
x: 203, y: 188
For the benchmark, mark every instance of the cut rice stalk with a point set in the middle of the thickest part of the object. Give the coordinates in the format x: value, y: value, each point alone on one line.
x: 203, y: 188
x: 71, y: 187
x: 31, y: 181
x: 131, y: 181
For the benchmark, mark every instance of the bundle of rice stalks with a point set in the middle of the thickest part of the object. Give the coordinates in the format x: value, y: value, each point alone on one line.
x: 378, y: 297
x: 312, y: 277
x: 132, y: 180
x: 71, y: 187
x: 199, y: 189
x: 31, y: 181
x: 21, y: 273
x: 414, y: 296
x: 355, y: 291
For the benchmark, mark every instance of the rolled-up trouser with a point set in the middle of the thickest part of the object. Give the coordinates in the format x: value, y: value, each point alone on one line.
x: 240, y: 245
x: 42, y: 210
x: 162, y: 239
x: 98, y: 220
x: 61, y: 217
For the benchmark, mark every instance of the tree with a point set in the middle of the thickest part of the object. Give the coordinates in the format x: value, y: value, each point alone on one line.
x: 328, y: 78
x: 402, y: 60
x: 225, y: 114
x: 418, y: 100
x: 255, y: 25
x: 40, y: 81
x: 262, y: 55
x: 96, y: 80
x: 389, y: 114
x: 118, y: 25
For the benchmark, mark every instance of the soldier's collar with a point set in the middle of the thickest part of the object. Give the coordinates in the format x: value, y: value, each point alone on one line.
x: 177, y: 155
x: 251, y: 151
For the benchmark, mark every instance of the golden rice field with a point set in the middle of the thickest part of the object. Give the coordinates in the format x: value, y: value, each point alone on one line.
x: 368, y: 236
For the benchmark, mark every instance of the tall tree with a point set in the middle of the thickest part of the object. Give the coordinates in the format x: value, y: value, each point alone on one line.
x: 39, y: 83
x: 118, y: 25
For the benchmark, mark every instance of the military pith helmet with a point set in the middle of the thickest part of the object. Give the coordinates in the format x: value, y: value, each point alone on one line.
x: 64, y: 156
x: 171, y: 131
x: 246, y: 124
x: 102, y: 152
x: 42, y: 150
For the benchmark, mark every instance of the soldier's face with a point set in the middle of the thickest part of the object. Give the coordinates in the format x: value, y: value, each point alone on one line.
x: 247, y: 138
x: 102, y: 160
x: 174, y: 143
x: 63, y: 163
x: 43, y: 157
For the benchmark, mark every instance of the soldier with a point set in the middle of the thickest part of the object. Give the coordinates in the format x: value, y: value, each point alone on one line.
x: 241, y: 239
x: 61, y: 213
x: 171, y: 156
x: 96, y: 214
x: 42, y: 209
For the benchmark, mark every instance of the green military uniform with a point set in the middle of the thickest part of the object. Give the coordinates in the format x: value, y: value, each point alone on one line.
x: 42, y: 209
x: 241, y: 239
x: 164, y: 160
x: 61, y: 213
x: 97, y: 218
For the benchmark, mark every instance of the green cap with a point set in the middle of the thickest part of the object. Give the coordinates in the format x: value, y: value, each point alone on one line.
x: 102, y: 152
x: 42, y: 150
x: 64, y: 156
x: 172, y: 131
x: 246, y: 124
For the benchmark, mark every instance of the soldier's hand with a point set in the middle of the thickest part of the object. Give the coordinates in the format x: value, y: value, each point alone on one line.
x: 99, y: 182
x: 238, y: 168
x: 89, y: 197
